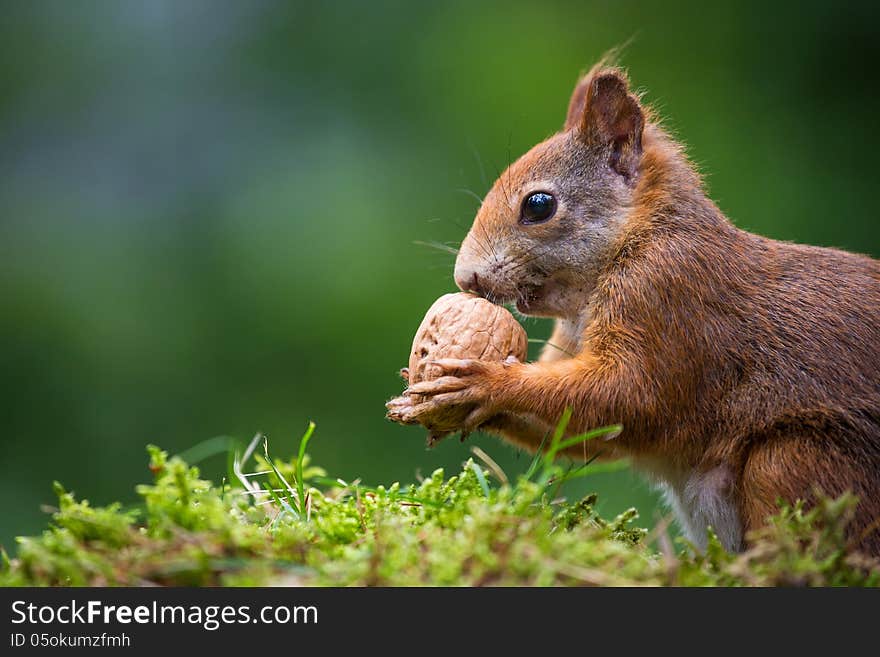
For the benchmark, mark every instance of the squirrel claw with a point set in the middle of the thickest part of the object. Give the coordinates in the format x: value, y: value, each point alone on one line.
x: 399, y: 410
x: 435, y: 437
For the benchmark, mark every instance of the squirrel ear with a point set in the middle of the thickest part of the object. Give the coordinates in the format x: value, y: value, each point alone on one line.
x: 576, y: 105
x: 605, y: 114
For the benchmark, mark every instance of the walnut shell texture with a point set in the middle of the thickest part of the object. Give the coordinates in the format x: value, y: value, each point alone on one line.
x: 462, y: 325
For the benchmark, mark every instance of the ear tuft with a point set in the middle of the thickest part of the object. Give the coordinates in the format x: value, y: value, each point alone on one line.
x: 577, y: 103
x: 606, y: 114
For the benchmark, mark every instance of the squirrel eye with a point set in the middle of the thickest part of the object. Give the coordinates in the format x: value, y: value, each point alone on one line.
x: 537, y: 208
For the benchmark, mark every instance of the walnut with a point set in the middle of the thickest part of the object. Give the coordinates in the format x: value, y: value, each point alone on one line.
x: 461, y: 325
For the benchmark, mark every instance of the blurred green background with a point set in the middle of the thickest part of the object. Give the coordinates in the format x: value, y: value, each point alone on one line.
x: 208, y: 209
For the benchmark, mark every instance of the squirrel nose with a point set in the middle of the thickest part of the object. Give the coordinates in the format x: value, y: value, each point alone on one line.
x: 468, y: 281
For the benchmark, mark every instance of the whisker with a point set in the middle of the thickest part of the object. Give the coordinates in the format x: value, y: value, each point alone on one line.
x: 479, y: 163
x: 494, y: 253
x: 489, y: 241
x: 481, y: 243
x: 500, y: 176
x: 457, y: 223
x: 509, y: 157
x: 437, y: 245
x: 465, y: 190
x: 528, y: 257
x: 484, y: 243
x: 484, y: 246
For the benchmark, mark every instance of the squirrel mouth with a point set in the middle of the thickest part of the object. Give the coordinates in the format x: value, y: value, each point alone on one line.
x: 526, y: 299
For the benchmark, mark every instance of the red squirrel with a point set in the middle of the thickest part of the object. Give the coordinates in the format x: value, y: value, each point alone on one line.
x: 744, y: 370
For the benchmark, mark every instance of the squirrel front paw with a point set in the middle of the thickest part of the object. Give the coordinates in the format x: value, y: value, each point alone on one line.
x: 403, y: 410
x: 461, y: 399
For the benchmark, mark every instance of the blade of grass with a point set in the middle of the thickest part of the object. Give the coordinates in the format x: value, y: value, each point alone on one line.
x: 291, y: 491
x: 536, y: 460
x: 230, y: 463
x: 609, y: 466
x: 303, y: 443
x: 591, y: 468
x: 494, y: 468
x: 237, y: 463
x: 206, y: 449
x: 283, y: 505
x: 557, y: 436
x: 589, y: 435
x: 480, y: 477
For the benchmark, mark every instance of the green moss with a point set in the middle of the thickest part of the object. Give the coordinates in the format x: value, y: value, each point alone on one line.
x: 455, y: 530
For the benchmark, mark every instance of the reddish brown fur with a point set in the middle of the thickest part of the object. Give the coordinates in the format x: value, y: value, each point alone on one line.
x: 711, y: 345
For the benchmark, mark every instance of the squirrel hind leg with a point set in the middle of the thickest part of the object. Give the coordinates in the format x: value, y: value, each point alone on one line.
x: 702, y: 499
x: 800, y: 467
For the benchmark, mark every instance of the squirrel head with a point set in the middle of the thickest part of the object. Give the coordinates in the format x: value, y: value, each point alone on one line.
x: 551, y: 220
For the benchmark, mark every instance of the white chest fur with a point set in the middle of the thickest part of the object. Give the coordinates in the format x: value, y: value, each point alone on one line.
x: 700, y: 499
